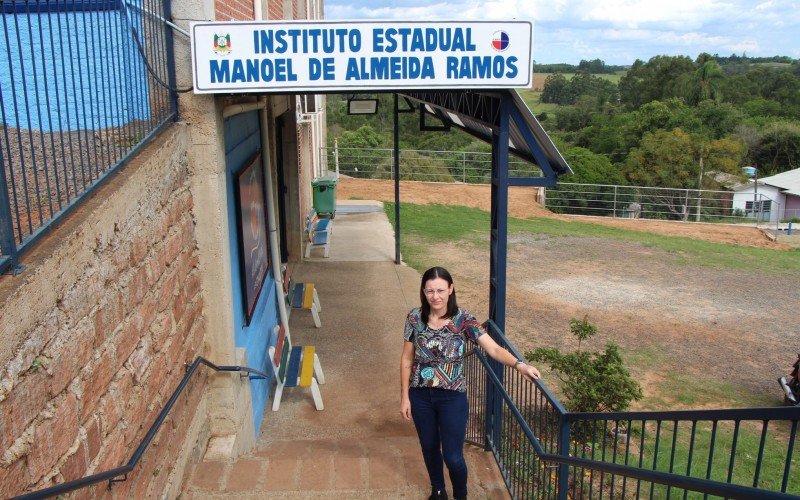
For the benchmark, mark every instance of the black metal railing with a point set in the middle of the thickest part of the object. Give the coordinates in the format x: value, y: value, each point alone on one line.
x: 83, y: 85
x: 121, y: 473
x: 544, y: 451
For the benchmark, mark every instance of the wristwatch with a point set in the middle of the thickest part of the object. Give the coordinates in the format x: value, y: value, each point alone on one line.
x: 518, y: 362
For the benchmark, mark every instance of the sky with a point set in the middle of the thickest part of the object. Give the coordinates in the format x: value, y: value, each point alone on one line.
x: 615, y: 31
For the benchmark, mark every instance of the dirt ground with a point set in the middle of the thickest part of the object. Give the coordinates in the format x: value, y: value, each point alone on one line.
x: 726, y: 333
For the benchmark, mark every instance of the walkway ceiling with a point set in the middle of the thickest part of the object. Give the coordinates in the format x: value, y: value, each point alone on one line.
x: 478, y: 113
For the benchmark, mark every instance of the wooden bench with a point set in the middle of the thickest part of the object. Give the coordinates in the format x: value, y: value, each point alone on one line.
x: 318, y: 231
x: 295, y: 366
x: 301, y: 296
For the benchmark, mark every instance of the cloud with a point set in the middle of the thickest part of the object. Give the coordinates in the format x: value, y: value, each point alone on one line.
x: 617, y: 31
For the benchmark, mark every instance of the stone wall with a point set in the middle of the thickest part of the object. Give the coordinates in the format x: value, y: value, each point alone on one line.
x: 97, y: 332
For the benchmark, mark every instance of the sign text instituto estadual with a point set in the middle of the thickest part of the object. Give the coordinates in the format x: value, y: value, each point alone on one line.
x: 340, y: 56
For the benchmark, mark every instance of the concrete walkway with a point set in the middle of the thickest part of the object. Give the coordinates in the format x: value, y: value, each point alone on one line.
x: 359, y: 446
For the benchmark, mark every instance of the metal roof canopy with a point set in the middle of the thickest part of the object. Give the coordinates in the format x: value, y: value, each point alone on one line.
x: 478, y: 112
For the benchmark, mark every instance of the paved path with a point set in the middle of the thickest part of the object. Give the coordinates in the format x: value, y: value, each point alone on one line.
x: 358, y: 447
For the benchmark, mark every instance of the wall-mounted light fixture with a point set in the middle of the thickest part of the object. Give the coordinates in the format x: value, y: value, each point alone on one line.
x: 362, y: 106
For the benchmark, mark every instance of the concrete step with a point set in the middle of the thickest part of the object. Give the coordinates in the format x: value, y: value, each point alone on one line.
x: 354, y: 468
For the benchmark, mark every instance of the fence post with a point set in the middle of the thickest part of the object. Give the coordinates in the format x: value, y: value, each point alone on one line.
x: 8, y: 246
x: 464, y: 167
x: 759, y: 203
x: 563, y: 450
x: 615, y: 200
x: 699, y: 205
x: 336, y: 155
x: 686, y: 207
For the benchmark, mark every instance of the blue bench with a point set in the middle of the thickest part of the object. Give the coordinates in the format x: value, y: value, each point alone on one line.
x: 318, y: 231
x: 295, y: 366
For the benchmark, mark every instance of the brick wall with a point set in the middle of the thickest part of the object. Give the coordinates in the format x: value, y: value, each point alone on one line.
x: 275, y: 10
x: 283, y: 9
x: 104, y: 318
x: 234, y: 10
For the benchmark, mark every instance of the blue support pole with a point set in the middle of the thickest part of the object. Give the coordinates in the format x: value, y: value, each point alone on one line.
x: 396, y: 170
x: 563, y: 450
x: 497, y: 261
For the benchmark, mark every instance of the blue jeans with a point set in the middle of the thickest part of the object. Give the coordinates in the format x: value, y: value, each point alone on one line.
x: 440, y: 416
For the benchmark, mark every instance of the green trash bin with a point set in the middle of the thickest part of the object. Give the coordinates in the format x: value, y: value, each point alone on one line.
x: 325, y: 195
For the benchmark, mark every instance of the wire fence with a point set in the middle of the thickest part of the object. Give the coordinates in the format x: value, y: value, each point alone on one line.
x: 687, y: 205
x: 636, y: 202
x: 82, y: 87
x: 421, y: 165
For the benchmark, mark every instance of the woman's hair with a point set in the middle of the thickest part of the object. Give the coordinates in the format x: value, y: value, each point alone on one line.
x: 452, y: 304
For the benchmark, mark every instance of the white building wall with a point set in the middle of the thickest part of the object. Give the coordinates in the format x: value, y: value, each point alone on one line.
x: 745, y: 194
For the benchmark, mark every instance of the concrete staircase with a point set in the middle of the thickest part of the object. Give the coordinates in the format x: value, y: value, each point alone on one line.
x: 327, y: 468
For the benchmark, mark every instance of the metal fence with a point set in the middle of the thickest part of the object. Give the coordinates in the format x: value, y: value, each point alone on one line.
x: 695, y: 205
x: 421, y: 165
x: 544, y: 451
x: 688, y: 205
x: 83, y: 85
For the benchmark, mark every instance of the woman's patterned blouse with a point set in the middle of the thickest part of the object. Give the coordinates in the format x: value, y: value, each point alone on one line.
x: 438, y: 354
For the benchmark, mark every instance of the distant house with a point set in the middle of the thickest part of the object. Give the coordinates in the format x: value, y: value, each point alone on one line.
x: 778, y: 197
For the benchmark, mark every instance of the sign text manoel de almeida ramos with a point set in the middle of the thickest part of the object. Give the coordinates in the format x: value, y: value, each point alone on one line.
x: 342, y: 56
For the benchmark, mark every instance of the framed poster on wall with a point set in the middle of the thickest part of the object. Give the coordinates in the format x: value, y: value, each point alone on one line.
x: 252, y: 228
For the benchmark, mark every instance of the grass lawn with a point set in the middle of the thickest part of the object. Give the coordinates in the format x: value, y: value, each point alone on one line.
x: 452, y: 222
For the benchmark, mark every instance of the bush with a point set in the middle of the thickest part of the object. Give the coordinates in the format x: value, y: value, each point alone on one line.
x: 590, y: 381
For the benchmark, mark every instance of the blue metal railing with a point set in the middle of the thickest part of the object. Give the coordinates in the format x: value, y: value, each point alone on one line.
x: 83, y: 86
x: 544, y: 451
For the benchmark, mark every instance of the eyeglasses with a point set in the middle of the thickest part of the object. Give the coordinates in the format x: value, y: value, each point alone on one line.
x: 441, y: 293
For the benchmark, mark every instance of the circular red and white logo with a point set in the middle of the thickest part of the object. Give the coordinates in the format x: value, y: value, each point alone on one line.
x: 500, y: 41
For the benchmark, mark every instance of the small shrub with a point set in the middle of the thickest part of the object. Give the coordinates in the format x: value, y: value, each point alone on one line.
x: 590, y: 381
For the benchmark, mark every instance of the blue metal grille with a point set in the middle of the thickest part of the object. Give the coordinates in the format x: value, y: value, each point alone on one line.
x: 543, y: 451
x: 78, y: 96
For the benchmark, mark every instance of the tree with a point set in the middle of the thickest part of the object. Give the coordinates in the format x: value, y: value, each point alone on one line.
x: 718, y: 119
x: 595, y: 66
x: 591, y: 168
x: 673, y: 159
x: 657, y: 79
x: 704, y: 83
x: 556, y: 90
x: 776, y: 148
x: 577, y: 116
x: 365, y: 138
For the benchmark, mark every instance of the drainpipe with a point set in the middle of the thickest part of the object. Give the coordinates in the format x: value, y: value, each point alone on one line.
x: 274, y: 249
x: 275, y: 254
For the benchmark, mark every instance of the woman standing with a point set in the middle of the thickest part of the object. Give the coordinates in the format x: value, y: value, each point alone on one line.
x: 432, y: 389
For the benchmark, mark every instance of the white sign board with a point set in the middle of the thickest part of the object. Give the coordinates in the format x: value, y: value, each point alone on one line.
x: 241, y: 57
